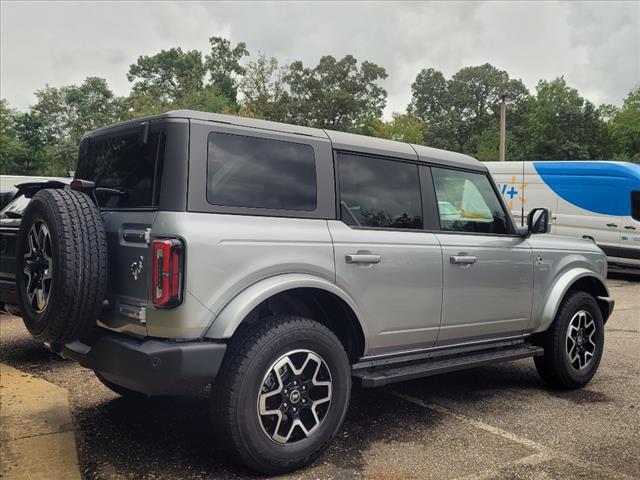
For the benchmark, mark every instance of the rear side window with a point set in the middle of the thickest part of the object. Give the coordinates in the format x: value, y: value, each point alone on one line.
x: 467, y: 202
x: 635, y: 205
x: 376, y: 192
x: 126, y: 171
x: 260, y: 173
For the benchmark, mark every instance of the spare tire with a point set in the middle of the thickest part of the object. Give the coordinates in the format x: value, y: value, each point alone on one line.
x: 61, y: 265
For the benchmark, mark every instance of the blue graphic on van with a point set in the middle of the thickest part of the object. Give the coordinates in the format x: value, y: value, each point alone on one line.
x: 512, y: 192
x: 601, y: 187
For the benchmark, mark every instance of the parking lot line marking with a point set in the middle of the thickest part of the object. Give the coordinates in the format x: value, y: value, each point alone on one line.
x: 543, y: 450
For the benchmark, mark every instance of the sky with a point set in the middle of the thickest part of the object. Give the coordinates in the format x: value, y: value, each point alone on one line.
x: 594, y: 45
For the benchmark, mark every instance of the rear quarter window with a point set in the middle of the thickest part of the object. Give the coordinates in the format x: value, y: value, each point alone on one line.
x: 244, y: 171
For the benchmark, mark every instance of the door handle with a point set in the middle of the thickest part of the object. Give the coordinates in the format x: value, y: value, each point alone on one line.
x: 613, y: 225
x: 629, y: 227
x: 362, y: 258
x: 463, y: 259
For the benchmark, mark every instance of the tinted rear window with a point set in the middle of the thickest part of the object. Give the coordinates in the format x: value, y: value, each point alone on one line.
x: 381, y: 193
x: 125, y: 165
x: 260, y: 173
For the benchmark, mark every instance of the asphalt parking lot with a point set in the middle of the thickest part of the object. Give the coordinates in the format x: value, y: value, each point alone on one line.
x: 488, y: 423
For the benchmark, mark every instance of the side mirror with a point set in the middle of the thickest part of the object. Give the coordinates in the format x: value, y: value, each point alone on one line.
x: 539, y: 220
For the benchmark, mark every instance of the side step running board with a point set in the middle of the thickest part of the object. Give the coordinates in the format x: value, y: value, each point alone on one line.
x: 379, y: 376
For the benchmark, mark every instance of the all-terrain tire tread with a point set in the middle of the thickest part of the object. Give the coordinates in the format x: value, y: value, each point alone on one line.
x: 81, y: 277
x: 226, y: 389
x: 550, y: 365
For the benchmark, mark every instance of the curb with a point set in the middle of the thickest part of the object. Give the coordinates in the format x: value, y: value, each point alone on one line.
x: 37, y: 440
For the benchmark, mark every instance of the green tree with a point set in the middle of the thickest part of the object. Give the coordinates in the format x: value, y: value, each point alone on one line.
x: 208, y: 99
x: 429, y: 95
x: 336, y: 94
x: 625, y: 128
x: 169, y: 80
x: 174, y: 79
x: 264, y: 91
x: 456, y: 112
x: 30, y: 131
x: 402, y: 128
x: 564, y: 126
x: 62, y: 115
x: 13, y: 151
x: 168, y: 76
x: 223, y: 64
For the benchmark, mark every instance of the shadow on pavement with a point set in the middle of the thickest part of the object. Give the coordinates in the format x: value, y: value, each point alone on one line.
x: 173, y: 435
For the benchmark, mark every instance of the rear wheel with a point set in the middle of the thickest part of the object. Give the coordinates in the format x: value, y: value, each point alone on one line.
x: 282, y: 394
x: 574, y: 343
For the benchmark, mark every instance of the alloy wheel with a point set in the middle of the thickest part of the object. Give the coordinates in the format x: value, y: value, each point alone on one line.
x: 38, y: 266
x: 294, y: 397
x: 581, y: 345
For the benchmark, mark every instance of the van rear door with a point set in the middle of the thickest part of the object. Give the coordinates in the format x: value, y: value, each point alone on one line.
x: 126, y: 166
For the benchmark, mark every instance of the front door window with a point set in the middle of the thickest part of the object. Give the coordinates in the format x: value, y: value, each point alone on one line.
x: 468, y: 203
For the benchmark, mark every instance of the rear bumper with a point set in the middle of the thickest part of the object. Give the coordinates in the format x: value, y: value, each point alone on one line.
x: 154, y: 367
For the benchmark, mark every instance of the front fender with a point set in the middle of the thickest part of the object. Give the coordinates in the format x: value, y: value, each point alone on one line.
x: 226, y: 322
x: 557, y: 292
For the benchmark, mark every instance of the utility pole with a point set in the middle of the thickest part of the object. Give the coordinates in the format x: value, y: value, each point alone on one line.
x: 503, y: 126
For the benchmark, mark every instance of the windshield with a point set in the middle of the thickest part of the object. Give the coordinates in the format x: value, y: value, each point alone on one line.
x: 126, y: 171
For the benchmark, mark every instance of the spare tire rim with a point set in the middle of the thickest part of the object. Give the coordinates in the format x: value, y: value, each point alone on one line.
x: 38, y: 266
x: 294, y: 397
x: 581, y: 344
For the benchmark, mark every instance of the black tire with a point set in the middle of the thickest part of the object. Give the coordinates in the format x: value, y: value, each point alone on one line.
x: 555, y: 366
x: 234, y: 394
x: 77, y: 258
x: 120, y: 390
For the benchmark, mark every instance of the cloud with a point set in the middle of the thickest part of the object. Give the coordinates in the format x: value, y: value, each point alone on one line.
x: 594, y: 45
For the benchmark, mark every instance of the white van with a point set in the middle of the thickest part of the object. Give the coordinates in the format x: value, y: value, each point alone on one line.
x: 597, y: 200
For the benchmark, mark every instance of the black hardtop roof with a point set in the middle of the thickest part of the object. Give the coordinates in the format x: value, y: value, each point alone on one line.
x: 339, y: 140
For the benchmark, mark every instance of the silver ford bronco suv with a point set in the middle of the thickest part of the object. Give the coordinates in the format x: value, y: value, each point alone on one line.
x: 278, y: 264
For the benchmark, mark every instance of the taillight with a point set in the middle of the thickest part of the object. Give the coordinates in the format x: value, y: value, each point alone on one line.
x: 168, y: 264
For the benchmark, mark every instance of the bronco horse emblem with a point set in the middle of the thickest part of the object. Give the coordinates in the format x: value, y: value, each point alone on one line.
x: 136, y: 268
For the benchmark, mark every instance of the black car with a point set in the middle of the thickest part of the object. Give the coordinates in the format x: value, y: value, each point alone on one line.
x: 10, y: 219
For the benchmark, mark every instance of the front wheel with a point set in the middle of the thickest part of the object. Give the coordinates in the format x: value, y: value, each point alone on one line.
x: 282, y: 394
x: 573, y: 344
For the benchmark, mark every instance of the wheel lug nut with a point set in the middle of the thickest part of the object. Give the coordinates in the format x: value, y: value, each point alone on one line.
x: 285, y: 405
x: 295, y: 409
